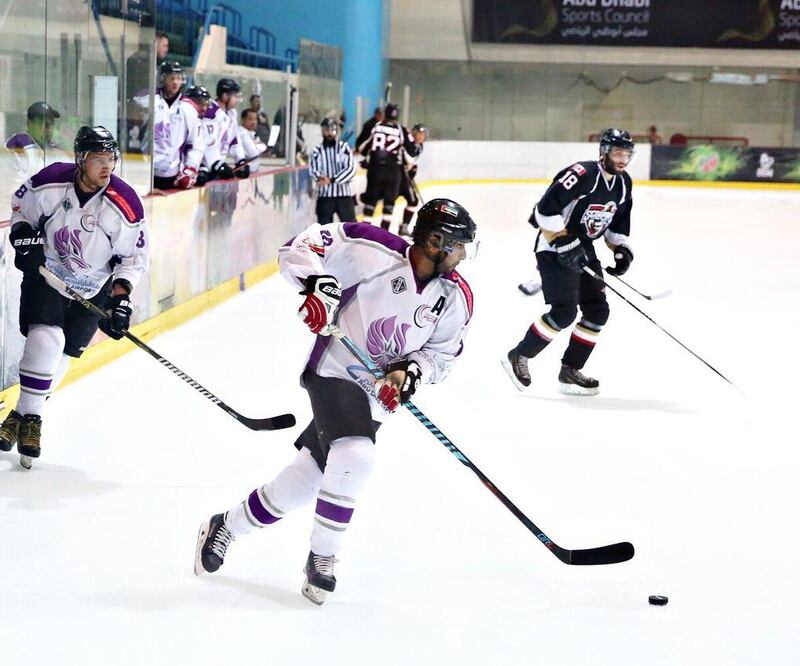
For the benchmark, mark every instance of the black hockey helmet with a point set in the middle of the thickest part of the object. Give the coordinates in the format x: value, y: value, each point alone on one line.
x: 446, y: 218
x: 94, y: 140
x: 391, y: 112
x: 198, y: 94
x: 227, y: 86
x: 615, y: 138
x: 42, y: 110
x: 419, y: 127
x: 329, y: 124
x: 169, y: 67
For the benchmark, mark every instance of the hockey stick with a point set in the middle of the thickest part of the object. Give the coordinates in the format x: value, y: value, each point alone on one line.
x: 652, y: 321
x: 649, y: 297
x: 612, y: 554
x: 271, y: 423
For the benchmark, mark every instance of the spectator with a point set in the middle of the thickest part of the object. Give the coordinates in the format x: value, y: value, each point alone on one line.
x: 162, y: 47
x: 262, y: 126
x: 280, y: 144
x: 251, y: 143
x: 221, y: 136
x: 177, y: 140
x: 653, y: 137
x: 332, y: 167
x: 377, y: 116
x: 33, y: 149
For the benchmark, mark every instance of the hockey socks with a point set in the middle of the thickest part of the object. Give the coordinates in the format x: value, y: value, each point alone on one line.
x: 581, y: 343
x: 44, y: 347
x: 538, y: 336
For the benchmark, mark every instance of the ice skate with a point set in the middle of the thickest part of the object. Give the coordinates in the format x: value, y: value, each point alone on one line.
x: 530, y: 288
x: 29, y: 439
x: 213, y: 540
x: 516, y: 366
x: 9, y: 430
x: 574, y: 382
x: 319, y: 578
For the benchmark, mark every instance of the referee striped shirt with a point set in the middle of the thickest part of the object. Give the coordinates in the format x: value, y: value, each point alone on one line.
x: 338, y: 164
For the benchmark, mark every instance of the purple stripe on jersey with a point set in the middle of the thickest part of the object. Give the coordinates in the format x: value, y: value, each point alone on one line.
x: 333, y: 512
x: 376, y: 234
x: 212, y: 110
x: 21, y: 140
x: 59, y: 172
x: 35, y: 382
x: 259, y: 511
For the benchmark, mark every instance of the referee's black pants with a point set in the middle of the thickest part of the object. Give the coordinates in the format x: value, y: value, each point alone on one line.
x: 342, y: 206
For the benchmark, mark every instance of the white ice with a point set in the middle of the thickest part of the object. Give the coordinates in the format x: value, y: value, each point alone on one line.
x: 97, y: 541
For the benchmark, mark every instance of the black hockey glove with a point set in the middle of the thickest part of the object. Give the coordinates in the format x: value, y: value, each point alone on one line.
x: 242, y: 169
x: 202, y: 178
x: 28, y: 244
x: 623, y: 256
x: 220, y: 171
x: 570, y: 253
x: 412, y: 379
x: 119, y: 316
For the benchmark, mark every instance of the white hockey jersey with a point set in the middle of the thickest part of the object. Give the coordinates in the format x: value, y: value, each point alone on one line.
x: 85, y: 245
x: 251, y: 146
x: 384, y: 309
x: 220, y: 135
x: 177, y: 139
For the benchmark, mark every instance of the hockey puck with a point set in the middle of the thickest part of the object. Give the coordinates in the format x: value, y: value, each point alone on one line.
x: 657, y: 600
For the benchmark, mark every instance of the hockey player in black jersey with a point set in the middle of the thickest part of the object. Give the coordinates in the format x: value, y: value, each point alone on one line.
x: 384, y: 150
x: 585, y: 201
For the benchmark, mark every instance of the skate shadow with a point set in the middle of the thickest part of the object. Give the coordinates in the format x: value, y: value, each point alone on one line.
x: 257, y: 596
x: 47, y: 486
x: 607, y: 404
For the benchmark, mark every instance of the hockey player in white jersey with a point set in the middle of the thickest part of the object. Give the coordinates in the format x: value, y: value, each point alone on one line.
x: 177, y: 140
x: 252, y: 145
x: 87, y: 227
x: 221, y: 135
x: 409, y: 309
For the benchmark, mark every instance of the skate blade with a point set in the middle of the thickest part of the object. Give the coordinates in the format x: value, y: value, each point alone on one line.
x: 314, y: 594
x: 26, y: 462
x: 510, y: 372
x: 198, y: 552
x: 529, y: 292
x: 574, y: 389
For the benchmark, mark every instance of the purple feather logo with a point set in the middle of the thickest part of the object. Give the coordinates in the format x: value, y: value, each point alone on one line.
x: 69, y: 248
x: 385, y: 340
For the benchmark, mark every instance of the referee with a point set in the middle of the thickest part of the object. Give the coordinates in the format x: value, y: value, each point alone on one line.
x: 332, y: 167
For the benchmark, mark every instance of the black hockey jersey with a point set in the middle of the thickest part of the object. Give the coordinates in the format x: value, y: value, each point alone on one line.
x: 386, y: 143
x: 589, y: 206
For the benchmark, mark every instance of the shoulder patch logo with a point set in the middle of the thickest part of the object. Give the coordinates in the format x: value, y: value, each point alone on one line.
x: 399, y: 285
x: 577, y: 168
x: 67, y: 205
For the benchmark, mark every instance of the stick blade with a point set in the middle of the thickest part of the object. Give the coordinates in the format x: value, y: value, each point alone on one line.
x: 272, y: 423
x: 613, y: 554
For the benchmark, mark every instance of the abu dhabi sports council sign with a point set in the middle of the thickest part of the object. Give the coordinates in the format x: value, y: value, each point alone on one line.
x: 763, y: 24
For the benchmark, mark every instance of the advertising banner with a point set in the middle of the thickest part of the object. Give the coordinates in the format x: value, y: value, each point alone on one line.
x: 725, y: 163
x: 739, y: 24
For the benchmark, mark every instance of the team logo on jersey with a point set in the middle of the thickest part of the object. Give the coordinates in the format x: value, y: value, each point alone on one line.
x: 69, y: 247
x: 67, y: 205
x: 88, y: 222
x: 386, y: 340
x: 424, y: 316
x: 399, y: 285
x: 597, y: 217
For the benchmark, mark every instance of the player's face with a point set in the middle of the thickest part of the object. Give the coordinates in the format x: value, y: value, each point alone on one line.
x: 617, y: 159
x: 230, y: 100
x: 172, y: 84
x: 250, y: 122
x: 97, y: 168
x: 419, y: 137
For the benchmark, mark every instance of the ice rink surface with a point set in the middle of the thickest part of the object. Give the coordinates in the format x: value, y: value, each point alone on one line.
x: 97, y: 541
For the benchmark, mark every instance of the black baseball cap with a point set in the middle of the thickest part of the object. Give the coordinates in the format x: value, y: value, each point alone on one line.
x: 42, y: 110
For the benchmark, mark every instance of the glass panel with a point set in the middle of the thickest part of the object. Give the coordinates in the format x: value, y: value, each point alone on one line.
x: 546, y: 102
